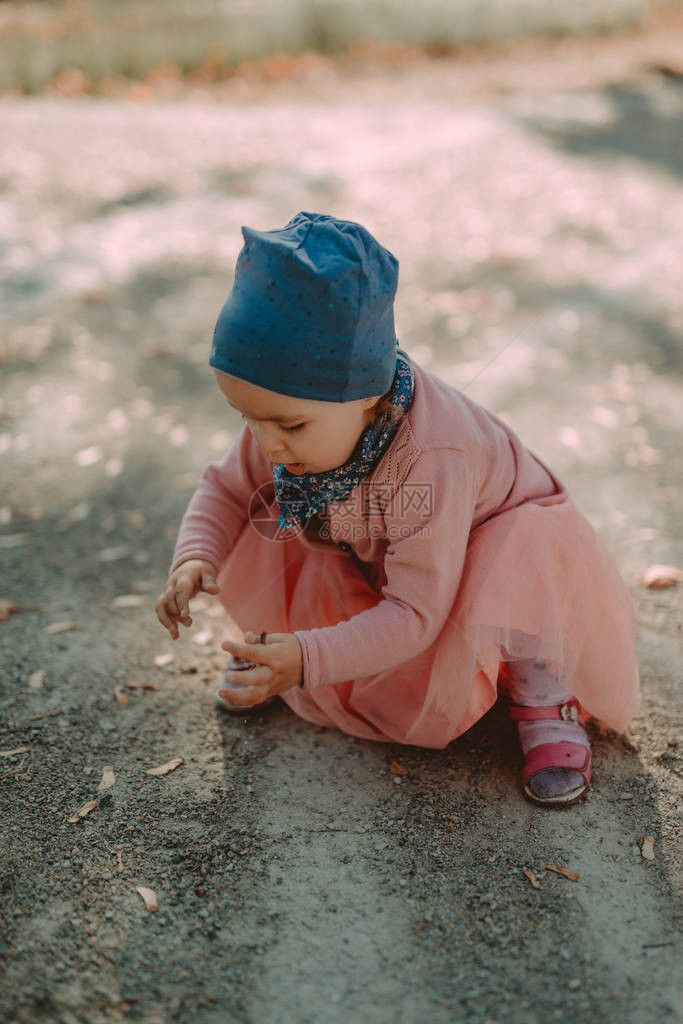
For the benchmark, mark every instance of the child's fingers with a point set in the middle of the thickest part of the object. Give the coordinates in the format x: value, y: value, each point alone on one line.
x: 208, y: 583
x: 257, y: 678
x: 176, y: 607
x: 245, y: 651
x: 185, y: 589
x: 167, y: 620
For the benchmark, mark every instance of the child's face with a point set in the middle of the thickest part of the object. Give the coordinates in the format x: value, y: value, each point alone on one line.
x: 313, y: 436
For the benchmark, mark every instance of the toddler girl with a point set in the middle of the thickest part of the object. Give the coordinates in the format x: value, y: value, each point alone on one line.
x: 391, y: 548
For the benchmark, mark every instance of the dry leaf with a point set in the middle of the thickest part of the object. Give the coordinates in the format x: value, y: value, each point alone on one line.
x: 7, y: 607
x: 161, y: 660
x: 61, y: 627
x: 35, y: 680
x: 163, y: 769
x: 397, y: 768
x: 532, y: 878
x: 657, y: 577
x: 121, y: 696
x: 647, y: 850
x: 118, y: 850
x: 82, y: 811
x: 134, y: 685
x: 46, y: 714
x: 128, y: 601
x: 17, y: 750
x: 108, y: 779
x: 149, y: 896
x: 562, y: 871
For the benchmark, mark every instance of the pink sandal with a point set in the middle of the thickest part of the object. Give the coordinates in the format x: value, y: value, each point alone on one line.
x: 566, y: 755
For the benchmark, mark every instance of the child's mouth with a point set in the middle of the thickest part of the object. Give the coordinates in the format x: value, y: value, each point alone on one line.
x: 297, y: 468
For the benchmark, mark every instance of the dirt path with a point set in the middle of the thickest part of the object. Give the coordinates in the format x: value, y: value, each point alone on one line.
x: 298, y: 878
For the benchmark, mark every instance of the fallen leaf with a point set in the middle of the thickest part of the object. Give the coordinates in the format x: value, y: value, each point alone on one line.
x: 562, y: 871
x: 17, y: 750
x: 61, y: 627
x: 121, y: 696
x: 46, y: 714
x: 134, y: 685
x: 82, y: 811
x: 108, y: 779
x: 647, y: 850
x: 397, y: 768
x: 128, y: 601
x: 7, y: 607
x: 657, y: 577
x: 161, y: 660
x: 163, y: 769
x: 35, y: 680
x: 532, y: 878
x: 149, y: 897
x: 118, y: 850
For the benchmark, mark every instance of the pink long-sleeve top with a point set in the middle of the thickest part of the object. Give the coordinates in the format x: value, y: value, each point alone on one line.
x: 450, y: 466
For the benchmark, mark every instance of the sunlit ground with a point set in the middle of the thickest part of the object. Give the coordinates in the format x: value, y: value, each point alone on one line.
x: 536, y: 209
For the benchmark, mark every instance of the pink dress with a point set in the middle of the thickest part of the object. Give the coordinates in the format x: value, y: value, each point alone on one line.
x: 461, y: 550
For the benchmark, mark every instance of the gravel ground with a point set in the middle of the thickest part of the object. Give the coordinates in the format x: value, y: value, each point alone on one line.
x: 535, y: 202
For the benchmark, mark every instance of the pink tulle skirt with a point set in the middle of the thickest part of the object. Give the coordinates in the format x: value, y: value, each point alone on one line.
x: 537, y: 582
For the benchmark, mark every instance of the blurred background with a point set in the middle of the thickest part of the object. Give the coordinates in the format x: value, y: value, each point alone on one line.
x: 523, y: 161
x: 105, y: 39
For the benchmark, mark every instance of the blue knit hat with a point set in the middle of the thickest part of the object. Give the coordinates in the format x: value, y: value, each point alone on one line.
x: 311, y: 311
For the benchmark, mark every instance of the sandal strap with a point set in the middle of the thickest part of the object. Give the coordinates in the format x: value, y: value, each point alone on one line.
x: 558, y: 755
x: 570, y: 711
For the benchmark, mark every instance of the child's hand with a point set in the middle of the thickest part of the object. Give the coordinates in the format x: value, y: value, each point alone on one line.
x: 280, y: 666
x: 173, y: 605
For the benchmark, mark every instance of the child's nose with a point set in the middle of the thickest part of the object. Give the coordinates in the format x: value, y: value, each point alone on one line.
x: 268, y: 443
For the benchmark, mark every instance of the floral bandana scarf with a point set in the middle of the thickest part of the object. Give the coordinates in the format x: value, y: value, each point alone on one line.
x: 300, y: 497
